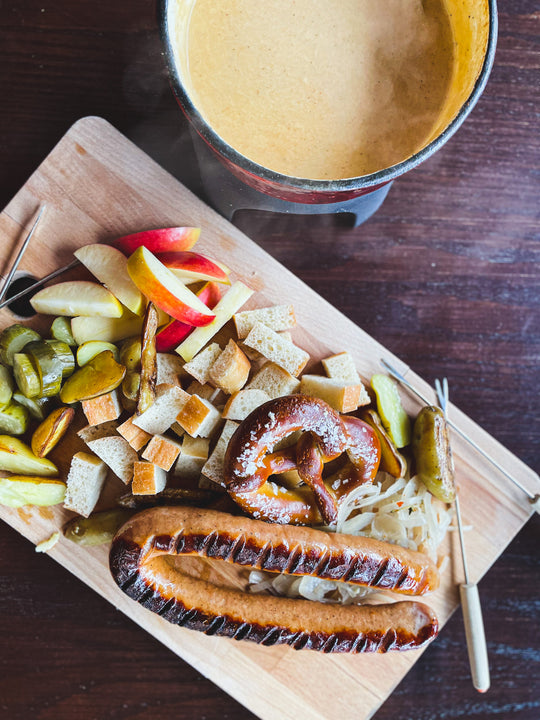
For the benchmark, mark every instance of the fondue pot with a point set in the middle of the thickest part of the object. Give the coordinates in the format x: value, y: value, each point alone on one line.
x: 474, y: 24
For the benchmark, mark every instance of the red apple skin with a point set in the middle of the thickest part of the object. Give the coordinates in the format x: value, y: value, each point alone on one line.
x: 196, y: 263
x: 169, y: 337
x: 176, y: 239
x: 156, y: 292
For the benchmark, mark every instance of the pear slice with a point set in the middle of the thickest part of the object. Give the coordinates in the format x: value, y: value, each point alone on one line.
x: 77, y: 297
x: 98, y: 377
x: 17, y: 457
x: 19, y: 490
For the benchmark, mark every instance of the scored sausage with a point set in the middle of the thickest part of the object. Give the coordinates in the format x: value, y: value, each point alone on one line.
x: 140, y: 565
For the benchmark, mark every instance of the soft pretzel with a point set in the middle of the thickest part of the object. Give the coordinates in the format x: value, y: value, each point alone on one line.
x: 250, y: 460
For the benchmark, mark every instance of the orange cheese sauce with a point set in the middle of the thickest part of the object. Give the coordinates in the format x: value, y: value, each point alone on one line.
x: 321, y: 89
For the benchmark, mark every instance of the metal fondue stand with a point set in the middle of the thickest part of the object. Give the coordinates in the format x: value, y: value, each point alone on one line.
x: 227, y: 194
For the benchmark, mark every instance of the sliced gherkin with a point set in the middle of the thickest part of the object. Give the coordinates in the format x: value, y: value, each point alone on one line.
x: 14, y: 419
x: 48, y: 366
x: 26, y: 375
x: 64, y: 354
x: 13, y: 339
x: 61, y: 330
x: 6, y: 386
x: 35, y: 406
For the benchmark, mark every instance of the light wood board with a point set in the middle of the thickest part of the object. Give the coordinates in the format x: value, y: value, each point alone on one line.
x: 97, y: 186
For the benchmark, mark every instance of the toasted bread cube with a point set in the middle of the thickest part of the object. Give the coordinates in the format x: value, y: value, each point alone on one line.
x: 242, y: 403
x: 192, y: 457
x: 277, y: 318
x: 178, y: 430
x: 274, y: 381
x: 148, y: 479
x: 103, y: 408
x: 170, y: 368
x: 231, y: 370
x: 213, y: 467
x: 117, y: 453
x: 135, y: 436
x: 93, y: 432
x: 199, y: 418
x: 341, y: 367
x: 277, y: 349
x: 200, y: 366
x: 86, y: 476
x: 162, y: 451
x: 339, y: 395
x: 206, y: 392
x: 170, y: 399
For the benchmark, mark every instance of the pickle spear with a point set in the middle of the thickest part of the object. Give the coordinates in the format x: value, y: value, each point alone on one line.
x: 394, y: 418
x: 13, y: 339
x: 431, y: 448
x: 6, y: 386
x: 98, y: 529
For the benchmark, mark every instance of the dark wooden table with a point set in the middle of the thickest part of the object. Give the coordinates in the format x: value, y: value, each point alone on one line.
x: 446, y: 275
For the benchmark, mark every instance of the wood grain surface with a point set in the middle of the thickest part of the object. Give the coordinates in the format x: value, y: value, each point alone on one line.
x: 445, y: 275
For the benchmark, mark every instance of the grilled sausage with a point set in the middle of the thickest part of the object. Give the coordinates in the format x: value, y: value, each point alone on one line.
x: 140, y: 565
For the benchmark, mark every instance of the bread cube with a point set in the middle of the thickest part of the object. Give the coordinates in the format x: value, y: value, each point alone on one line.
x: 274, y: 381
x: 277, y: 318
x: 200, y: 366
x: 135, y: 436
x: 192, y: 457
x: 277, y: 349
x: 103, y: 408
x: 86, y: 476
x: 213, y: 467
x: 148, y: 479
x: 231, y: 369
x: 339, y: 395
x: 198, y: 417
x: 159, y: 417
x: 117, y: 453
x: 162, y: 451
x: 242, y: 403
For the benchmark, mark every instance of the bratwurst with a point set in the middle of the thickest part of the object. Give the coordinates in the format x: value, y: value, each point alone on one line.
x: 141, y: 562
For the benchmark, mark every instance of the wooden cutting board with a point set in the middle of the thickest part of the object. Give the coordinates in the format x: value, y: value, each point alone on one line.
x: 97, y: 185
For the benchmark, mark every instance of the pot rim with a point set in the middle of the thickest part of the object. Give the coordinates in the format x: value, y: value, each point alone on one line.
x: 307, y: 184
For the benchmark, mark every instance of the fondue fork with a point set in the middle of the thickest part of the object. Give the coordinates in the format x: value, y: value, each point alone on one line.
x: 533, y: 499
x: 17, y: 260
x: 468, y: 591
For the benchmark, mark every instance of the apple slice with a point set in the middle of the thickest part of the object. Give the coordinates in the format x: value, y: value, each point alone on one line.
x: 158, y: 241
x: 190, y: 266
x: 224, y: 310
x: 109, y: 266
x: 165, y: 290
x: 110, y: 330
x: 77, y: 297
x: 169, y: 337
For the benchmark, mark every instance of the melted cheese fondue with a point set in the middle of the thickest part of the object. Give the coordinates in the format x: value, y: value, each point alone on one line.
x: 321, y: 89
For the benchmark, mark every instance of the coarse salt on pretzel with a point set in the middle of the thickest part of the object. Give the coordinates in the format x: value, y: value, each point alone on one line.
x: 250, y: 460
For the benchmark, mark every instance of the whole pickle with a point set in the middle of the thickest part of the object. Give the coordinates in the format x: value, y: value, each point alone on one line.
x: 98, y: 529
x: 431, y: 448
